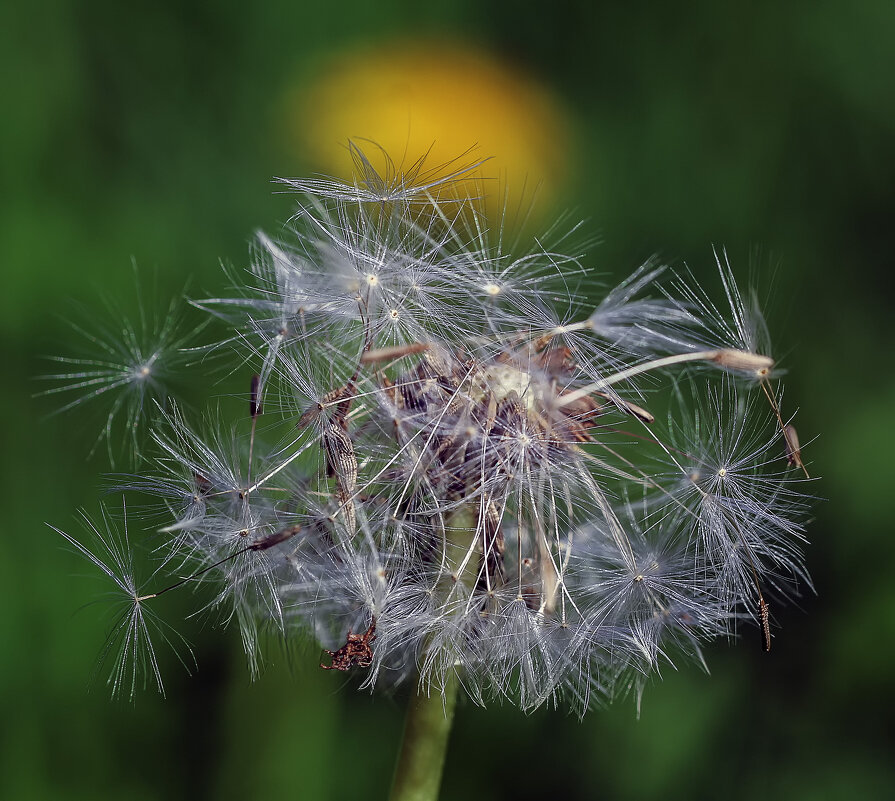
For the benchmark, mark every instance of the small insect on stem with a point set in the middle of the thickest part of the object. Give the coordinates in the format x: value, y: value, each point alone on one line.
x: 355, y: 652
x: 763, y: 613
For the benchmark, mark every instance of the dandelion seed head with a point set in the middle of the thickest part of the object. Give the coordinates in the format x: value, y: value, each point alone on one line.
x: 457, y: 469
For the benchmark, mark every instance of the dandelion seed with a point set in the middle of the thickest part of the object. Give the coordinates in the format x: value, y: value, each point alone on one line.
x: 129, y: 645
x: 130, y: 370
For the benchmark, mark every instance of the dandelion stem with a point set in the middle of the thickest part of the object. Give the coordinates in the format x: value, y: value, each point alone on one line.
x: 427, y: 728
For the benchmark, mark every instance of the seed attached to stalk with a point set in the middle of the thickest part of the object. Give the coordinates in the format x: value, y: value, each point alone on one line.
x: 793, y: 451
x: 743, y: 360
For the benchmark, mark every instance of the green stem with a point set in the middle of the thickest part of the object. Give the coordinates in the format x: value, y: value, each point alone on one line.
x: 427, y: 728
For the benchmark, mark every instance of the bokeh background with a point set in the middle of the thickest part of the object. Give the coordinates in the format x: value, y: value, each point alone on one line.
x: 148, y: 131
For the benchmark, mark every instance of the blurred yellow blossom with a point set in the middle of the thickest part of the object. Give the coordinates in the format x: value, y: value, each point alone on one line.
x: 418, y: 97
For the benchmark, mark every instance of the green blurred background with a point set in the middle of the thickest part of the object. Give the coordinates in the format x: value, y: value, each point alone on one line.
x: 150, y: 130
